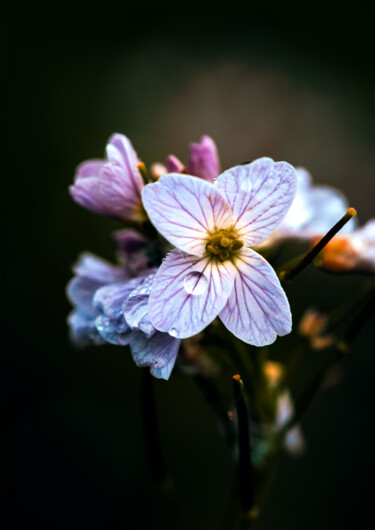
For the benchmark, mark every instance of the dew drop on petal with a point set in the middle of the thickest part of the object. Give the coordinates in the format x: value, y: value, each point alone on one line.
x: 173, y: 332
x: 195, y: 283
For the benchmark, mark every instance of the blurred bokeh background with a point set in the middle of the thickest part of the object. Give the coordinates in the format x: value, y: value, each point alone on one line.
x: 294, y: 85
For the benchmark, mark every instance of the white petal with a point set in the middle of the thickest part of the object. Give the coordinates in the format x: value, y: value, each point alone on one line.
x: 259, y: 194
x: 185, y: 209
x: 257, y: 309
x: 188, y: 293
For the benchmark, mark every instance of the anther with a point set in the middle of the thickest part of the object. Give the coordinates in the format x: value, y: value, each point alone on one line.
x: 143, y: 171
x: 225, y: 241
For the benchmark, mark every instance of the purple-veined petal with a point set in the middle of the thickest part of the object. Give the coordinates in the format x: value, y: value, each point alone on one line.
x: 158, y: 352
x: 120, y: 180
x: 185, y: 210
x: 136, y: 306
x: 188, y: 293
x: 204, y: 159
x: 257, y: 309
x: 259, y: 194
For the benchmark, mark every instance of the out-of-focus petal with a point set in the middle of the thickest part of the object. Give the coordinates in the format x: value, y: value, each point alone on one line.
x: 203, y: 159
x: 89, y: 168
x: 158, y: 352
x: 366, y: 246
x: 111, y: 187
x: 259, y: 194
x: 85, y: 192
x: 82, y: 329
x: 91, y: 273
x: 188, y: 293
x: 257, y: 309
x: 185, y: 209
x: 136, y: 306
x: 133, y: 253
x: 328, y: 206
x: 174, y: 164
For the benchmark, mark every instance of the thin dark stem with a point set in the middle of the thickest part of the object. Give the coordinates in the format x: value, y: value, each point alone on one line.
x: 286, y: 276
x: 215, y: 400
x: 246, y: 476
x: 151, y: 431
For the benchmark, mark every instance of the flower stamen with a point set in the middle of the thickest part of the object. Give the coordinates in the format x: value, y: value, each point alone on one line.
x: 223, y: 244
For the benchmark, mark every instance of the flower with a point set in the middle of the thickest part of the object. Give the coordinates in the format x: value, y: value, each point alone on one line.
x: 113, y: 186
x: 111, y: 307
x: 354, y: 251
x: 213, y: 271
x: 203, y: 160
x: 314, y: 210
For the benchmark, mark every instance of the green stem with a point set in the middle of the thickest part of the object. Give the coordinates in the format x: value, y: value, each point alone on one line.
x: 287, y: 275
x: 151, y: 431
x: 246, y: 475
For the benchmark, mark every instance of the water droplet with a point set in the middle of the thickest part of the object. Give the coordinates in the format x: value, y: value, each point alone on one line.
x: 173, y: 332
x: 195, y: 283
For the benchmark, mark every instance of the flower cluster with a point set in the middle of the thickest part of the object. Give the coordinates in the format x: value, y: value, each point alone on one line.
x: 207, y: 226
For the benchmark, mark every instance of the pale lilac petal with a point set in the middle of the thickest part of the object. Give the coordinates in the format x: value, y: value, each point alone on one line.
x: 363, y: 242
x: 82, y: 329
x: 108, y: 301
x: 174, y: 164
x: 185, y: 209
x: 204, y: 160
x: 328, y: 206
x: 188, y: 293
x: 136, y: 306
x: 85, y: 192
x: 91, y: 273
x: 158, y: 352
x: 259, y: 194
x: 257, y: 309
x: 120, y: 180
x: 89, y: 168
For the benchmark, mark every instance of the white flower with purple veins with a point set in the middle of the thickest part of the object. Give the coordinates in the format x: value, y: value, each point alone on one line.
x: 213, y: 271
x: 314, y: 211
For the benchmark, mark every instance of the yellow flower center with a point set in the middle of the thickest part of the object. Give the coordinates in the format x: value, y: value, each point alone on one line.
x: 224, y: 244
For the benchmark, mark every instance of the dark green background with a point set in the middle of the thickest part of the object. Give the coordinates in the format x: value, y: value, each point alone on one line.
x: 296, y: 85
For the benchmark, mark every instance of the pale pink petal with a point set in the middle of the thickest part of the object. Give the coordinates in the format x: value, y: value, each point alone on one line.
x: 188, y: 292
x: 89, y: 168
x: 174, y: 164
x: 259, y: 194
x: 203, y: 159
x: 185, y: 210
x: 257, y: 309
x: 120, y: 180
